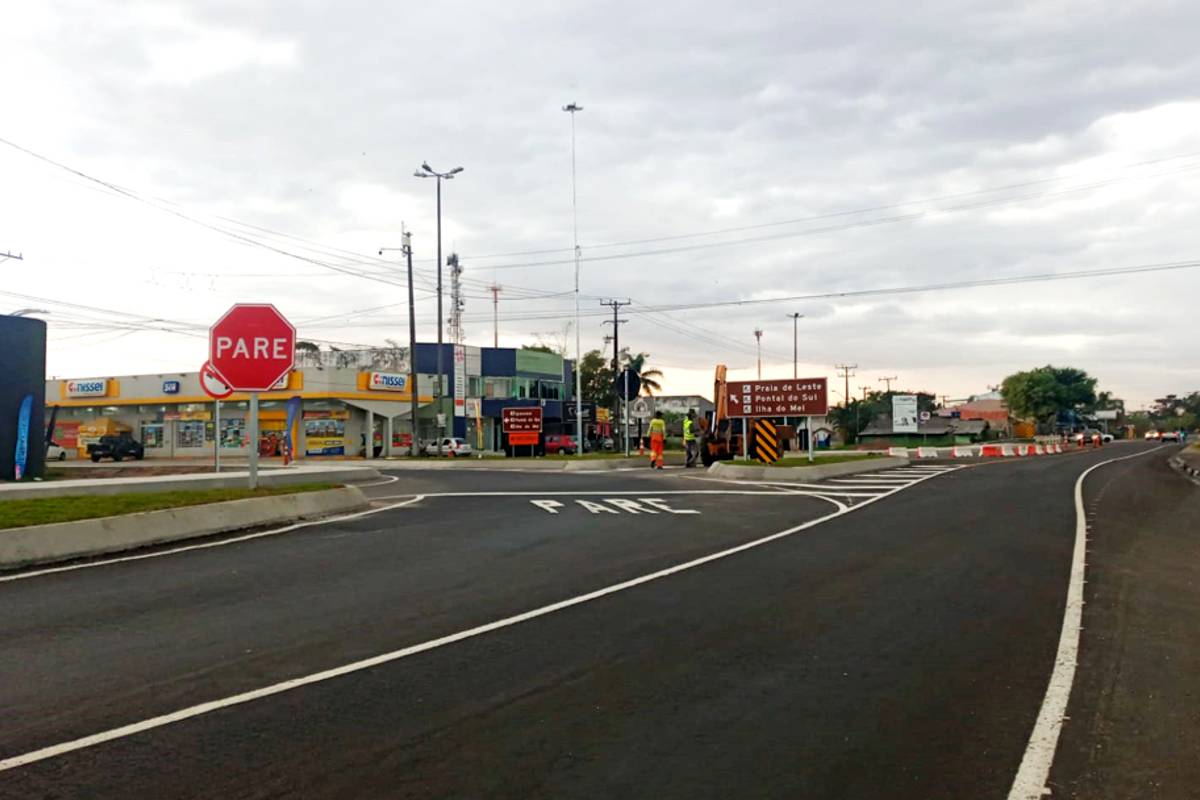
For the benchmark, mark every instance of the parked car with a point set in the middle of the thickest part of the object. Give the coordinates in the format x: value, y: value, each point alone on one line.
x: 451, y: 446
x: 1169, y: 436
x: 117, y: 448
x: 55, y: 452
x: 1151, y: 435
x: 556, y: 443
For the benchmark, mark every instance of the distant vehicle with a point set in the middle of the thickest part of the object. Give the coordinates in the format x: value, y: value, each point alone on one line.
x: 451, y: 446
x: 1106, y: 437
x: 560, y: 443
x: 1086, y: 435
x: 1150, y: 435
x: 1169, y: 436
x: 117, y: 448
x: 54, y: 452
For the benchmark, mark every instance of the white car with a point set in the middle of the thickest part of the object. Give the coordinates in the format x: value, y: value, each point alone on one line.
x: 1169, y: 436
x: 451, y: 446
x: 1152, y: 435
x: 55, y: 453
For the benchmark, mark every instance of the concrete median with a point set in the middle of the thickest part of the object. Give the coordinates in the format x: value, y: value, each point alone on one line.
x: 40, y: 544
x: 739, y: 472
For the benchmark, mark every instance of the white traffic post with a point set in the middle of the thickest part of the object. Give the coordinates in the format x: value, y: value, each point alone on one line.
x: 252, y: 426
x: 808, y: 427
x: 216, y: 435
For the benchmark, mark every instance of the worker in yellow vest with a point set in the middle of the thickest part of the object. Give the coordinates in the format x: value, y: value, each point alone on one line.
x: 658, y: 437
x: 689, y: 438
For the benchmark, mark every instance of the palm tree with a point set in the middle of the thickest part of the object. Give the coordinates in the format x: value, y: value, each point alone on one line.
x: 649, y: 377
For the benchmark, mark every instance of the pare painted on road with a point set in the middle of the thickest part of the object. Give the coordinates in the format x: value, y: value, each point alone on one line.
x: 614, y: 505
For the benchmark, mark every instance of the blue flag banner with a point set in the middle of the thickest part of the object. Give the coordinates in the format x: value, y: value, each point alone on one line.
x: 21, y: 457
x: 293, y: 411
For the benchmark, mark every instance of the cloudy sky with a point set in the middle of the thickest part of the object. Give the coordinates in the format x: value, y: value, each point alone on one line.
x: 264, y: 151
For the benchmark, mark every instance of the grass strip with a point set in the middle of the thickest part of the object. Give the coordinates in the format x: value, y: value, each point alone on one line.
x: 48, y: 510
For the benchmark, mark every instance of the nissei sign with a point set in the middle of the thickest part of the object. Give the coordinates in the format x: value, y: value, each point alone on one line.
x: 87, y: 388
x: 170, y: 387
x: 388, y: 382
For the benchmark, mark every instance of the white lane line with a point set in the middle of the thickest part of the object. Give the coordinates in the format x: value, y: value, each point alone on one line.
x: 609, y: 493
x: 131, y: 729
x: 20, y: 576
x: 387, y: 479
x: 1030, y: 783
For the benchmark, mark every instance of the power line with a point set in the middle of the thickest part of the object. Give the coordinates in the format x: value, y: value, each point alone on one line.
x: 834, y: 214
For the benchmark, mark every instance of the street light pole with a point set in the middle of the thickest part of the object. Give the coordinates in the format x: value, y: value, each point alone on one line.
x: 795, y: 344
x: 758, y: 343
x: 572, y: 108
x: 426, y: 171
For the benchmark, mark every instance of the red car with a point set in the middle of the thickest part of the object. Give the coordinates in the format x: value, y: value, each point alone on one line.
x: 560, y: 443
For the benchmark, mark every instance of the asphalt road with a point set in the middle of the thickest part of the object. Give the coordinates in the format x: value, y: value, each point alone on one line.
x: 895, y: 641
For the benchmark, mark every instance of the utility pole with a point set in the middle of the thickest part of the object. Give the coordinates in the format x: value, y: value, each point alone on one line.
x: 7, y: 254
x: 844, y: 372
x: 426, y: 171
x: 888, y: 380
x: 758, y: 343
x: 616, y: 322
x: 864, y: 391
x: 495, y: 290
x: 796, y: 317
x: 572, y: 109
x: 406, y: 251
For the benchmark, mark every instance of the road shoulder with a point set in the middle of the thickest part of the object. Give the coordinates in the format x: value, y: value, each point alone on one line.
x: 1133, y: 713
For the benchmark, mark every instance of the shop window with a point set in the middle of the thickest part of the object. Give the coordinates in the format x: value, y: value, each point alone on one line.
x: 189, y: 434
x: 233, y: 432
x: 152, y: 434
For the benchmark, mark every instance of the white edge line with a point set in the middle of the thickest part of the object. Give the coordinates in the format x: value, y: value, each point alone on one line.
x: 123, y: 731
x: 1030, y: 782
x: 387, y: 479
x: 20, y: 576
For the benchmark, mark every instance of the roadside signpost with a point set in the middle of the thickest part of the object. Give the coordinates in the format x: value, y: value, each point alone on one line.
x: 250, y: 349
x: 522, y: 425
x: 799, y: 397
x: 218, y: 390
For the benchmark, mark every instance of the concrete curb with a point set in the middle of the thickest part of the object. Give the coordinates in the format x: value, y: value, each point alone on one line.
x: 289, y: 476
x: 527, y: 464
x: 39, y: 544
x: 1184, y: 467
x: 737, y: 472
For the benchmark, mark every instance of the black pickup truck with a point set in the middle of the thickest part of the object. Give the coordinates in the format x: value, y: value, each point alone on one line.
x: 117, y: 448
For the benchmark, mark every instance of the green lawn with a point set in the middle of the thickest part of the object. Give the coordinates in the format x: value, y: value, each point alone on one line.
x: 802, y: 461
x: 46, y: 510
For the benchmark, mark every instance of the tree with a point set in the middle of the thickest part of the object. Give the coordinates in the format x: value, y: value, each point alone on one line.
x: 541, y: 348
x: 596, y: 377
x: 1047, y: 392
x: 637, y: 363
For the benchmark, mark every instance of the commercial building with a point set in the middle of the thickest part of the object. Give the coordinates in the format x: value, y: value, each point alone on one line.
x: 338, y: 396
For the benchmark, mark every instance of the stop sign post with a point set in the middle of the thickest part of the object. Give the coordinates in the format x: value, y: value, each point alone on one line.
x: 251, y: 347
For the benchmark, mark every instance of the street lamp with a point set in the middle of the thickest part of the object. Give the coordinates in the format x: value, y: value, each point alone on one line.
x: 426, y: 171
x: 758, y: 344
x: 572, y: 108
x: 796, y: 317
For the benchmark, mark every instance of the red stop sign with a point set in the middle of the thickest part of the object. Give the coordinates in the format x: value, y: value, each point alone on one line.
x: 251, y: 347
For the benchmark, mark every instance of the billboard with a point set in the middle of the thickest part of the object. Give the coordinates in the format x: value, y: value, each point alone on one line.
x: 904, y: 413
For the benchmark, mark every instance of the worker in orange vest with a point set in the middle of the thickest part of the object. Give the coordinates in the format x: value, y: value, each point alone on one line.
x: 658, y: 437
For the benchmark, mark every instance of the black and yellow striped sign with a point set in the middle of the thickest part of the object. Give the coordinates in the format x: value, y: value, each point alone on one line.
x: 767, y: 448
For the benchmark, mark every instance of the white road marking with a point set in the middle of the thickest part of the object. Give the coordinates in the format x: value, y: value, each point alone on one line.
x: 20, y: 576
x: 661, y: 505
x: 548, y: 505
x: 1030, y: 783
x: 632, y: 506
x: 386, y: 480
x: 596, y: 508
x: 190, y: 712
